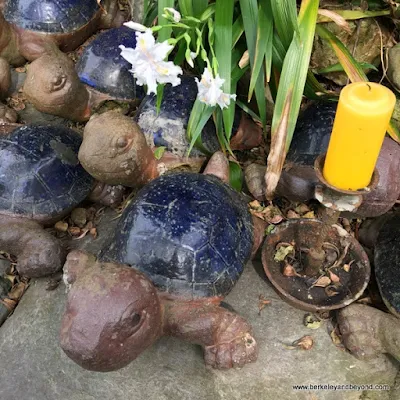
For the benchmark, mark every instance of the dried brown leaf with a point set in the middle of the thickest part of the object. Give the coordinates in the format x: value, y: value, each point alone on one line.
x: 84, y: 232
x: 334, y: 277
x: 74, y: 230
x: 262, y: 302
x: 304, y: 343
x: 331, y: 291
x: 292, y: 214
x: 288, y: 270
x: 61, y: 226
x: 322, y: 281
x: 309, y: 214
x: 93, y: 232
x: 336, y: 18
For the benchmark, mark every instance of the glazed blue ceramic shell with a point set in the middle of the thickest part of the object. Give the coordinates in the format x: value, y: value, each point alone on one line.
x: 312, y: 133
x: 189, y: 233
x: 168, y: 127
x: 40, y: 175
x: 387, y: 261
x: 51, y: 16
x: 102, y: 67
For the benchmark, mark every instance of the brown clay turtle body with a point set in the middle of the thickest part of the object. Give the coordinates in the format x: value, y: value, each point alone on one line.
x: 172, y: 259
x: 29, y: 28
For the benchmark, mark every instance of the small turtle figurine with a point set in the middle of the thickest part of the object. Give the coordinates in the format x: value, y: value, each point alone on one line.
x: 114, y: 150
x: 368, y: 332
x: 29, y: 28
x: 41, y: 180
x: 54, y: 85
x: 167, y: 127
x: 102, y: 68
x: 311, y: 139
x: 172, y: 259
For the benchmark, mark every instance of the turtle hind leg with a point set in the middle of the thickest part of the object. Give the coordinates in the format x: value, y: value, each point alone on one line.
x: 225, y: 336
x: 368, y: 332
x: 38, y: 252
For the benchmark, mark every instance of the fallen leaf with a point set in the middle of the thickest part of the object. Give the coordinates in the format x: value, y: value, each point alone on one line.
x: 61, y: 226
x: 292, y: 214
x: 302, y: 209
x: 262, y: 302
x: 311, y: 321
x: 331, y: 291
x: 334, y: 277
x: 322, y: 281
x: 282, y: 252
x: 335, y: 338
x: 346, y: 267
x: 255, y: 205
x: 310, y: 215
x: 74, y: 230
x: 269, y: 229
x: 93, y: 232
x: 304, y: 343
x: 276, y: 219
x: 84, y: 232
x: 288, y: 270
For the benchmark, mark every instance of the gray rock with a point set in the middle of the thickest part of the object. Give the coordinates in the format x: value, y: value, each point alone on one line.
x: 35, y: 368
x: 393, y: 71
x: 4, y: 266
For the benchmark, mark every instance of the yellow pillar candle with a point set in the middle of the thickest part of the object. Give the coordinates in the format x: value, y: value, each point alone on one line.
x: 361, y: 121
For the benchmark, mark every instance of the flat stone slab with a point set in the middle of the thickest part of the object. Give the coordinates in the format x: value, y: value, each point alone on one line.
x: 33, y: 367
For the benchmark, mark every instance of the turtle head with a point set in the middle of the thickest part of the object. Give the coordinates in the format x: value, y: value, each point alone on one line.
x: 113, y: 313
x: 114, y: 150
x: 53, y: 87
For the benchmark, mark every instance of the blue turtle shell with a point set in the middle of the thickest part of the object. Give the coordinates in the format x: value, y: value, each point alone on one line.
x: 40, y: 175
x: 168, y: 128
x: 312, y: 133
x: 102, y: 67
x: 50, y: 16
x: 387, y: 262
x: 191, y: 234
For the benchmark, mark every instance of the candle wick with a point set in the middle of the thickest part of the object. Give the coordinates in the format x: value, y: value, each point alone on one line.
x: 369, y: 87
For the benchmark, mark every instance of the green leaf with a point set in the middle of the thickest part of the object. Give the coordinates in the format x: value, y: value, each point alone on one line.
x: 165, y: 33
x: 290, y: 91
x: 249, y: 11
x: 263, y: 44
x: 223, y: 52
x: 350, y: 65
x: 235, y: 176
x: 354, y: 14
x: 285, y: 18
x: 159, y: 152
x: 199, y: 6
x: 199, y: 116
x: 339, y: 68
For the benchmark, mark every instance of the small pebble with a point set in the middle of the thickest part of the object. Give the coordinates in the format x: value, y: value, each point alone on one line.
x: 78, y: 217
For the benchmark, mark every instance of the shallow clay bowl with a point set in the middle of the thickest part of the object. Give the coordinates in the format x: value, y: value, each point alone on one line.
x: 295, y: 290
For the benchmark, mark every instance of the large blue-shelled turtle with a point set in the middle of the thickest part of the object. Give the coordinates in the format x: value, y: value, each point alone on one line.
x: 311, y: 139
x: 29, y: 28
x: 177, y: 251
x: 101, y: 66
x: 167, y: 127
x: 41, y: 180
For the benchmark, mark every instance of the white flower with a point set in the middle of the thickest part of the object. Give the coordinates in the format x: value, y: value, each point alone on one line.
x: 176, y: 16
x: 148, y: 65
x: 136, y: 26
x: 210, y: 91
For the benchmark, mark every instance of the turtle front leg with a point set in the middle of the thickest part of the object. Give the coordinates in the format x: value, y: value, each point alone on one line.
x: 225, y: 336
x: 368, y: 332
x: 38, y: 252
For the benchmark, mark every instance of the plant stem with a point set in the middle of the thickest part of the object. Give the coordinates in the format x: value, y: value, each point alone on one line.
x: 316, y: 255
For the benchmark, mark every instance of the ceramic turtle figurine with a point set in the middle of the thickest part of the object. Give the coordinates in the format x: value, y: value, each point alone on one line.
x: 102, y: 68
x: 311, y: 139
x: 172, y: 259
x: 41, y: 180
x: 368, y: 332
x: 29, y: 28
x: 114, y: 150
x: 167, y: 127
x: 54, y: 85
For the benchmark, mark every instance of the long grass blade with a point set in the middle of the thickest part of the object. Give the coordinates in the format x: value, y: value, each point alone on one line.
x: 350, y: 15
x: 223, y: 52
x: 290, y: 92
x: 249, y: 10
x: 263, y: 48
